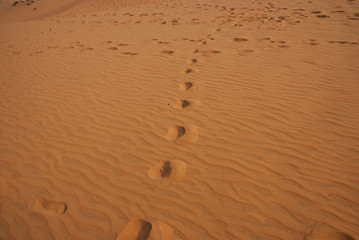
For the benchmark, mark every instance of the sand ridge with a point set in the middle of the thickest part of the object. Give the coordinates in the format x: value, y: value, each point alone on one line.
x: 180, y: 120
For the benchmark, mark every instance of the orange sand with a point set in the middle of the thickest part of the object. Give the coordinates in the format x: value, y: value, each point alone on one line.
x: 179, y: 120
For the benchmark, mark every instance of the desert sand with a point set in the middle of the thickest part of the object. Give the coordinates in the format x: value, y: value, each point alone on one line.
x: 179, y: 119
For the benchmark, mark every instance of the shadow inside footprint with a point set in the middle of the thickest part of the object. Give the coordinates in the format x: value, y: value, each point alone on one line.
x: 188, y: 70
x: 129, y: 53
x: 240, y: 39
x: 186, y: 86
x: 136, y: 229
x: 175, y: 132
x: 167, y: 52
x: 185, y: 103
x: 323, y: 16
x: 166, y: 169
x: 180, y: 131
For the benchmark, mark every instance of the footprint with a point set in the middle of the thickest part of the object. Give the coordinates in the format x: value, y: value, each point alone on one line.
x: 239, y: 39
x: 136, y: 229
x: 208, y: 52
x: 177, y: 133
x: 168, y: 170
x: 186, y: 86
x: 122, y: 44
x: 311, y: 42
x: 192, y: 61
x: 327, y: 233
x: 139, y: 229
x: 339, y: 42
x: 263, y: 39
x: 167, y: 52
x: 86, y: 49
x: 183, y: 104
x: 244, y: 52
x: 49, y: 207
x: 187, y: 70
x: 129, y: 53
x: 323, y: 16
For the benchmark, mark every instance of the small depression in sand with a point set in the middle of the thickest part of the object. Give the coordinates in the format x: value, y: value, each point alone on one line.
x: 49, y: 207
x: 186, y: 86
x: 136, y: 229
x: 178, y: 132
x: 168, y: 170
x: 186, y: 104
x: 139, y: 229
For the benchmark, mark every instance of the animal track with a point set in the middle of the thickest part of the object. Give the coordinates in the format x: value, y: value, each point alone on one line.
x: 49, y: 207
x: 168, y: 170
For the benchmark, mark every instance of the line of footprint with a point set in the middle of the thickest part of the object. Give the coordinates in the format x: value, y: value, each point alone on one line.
x: 176, y: 169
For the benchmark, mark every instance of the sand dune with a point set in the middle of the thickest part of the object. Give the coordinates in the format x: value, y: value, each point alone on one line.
x: 179, y: 120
